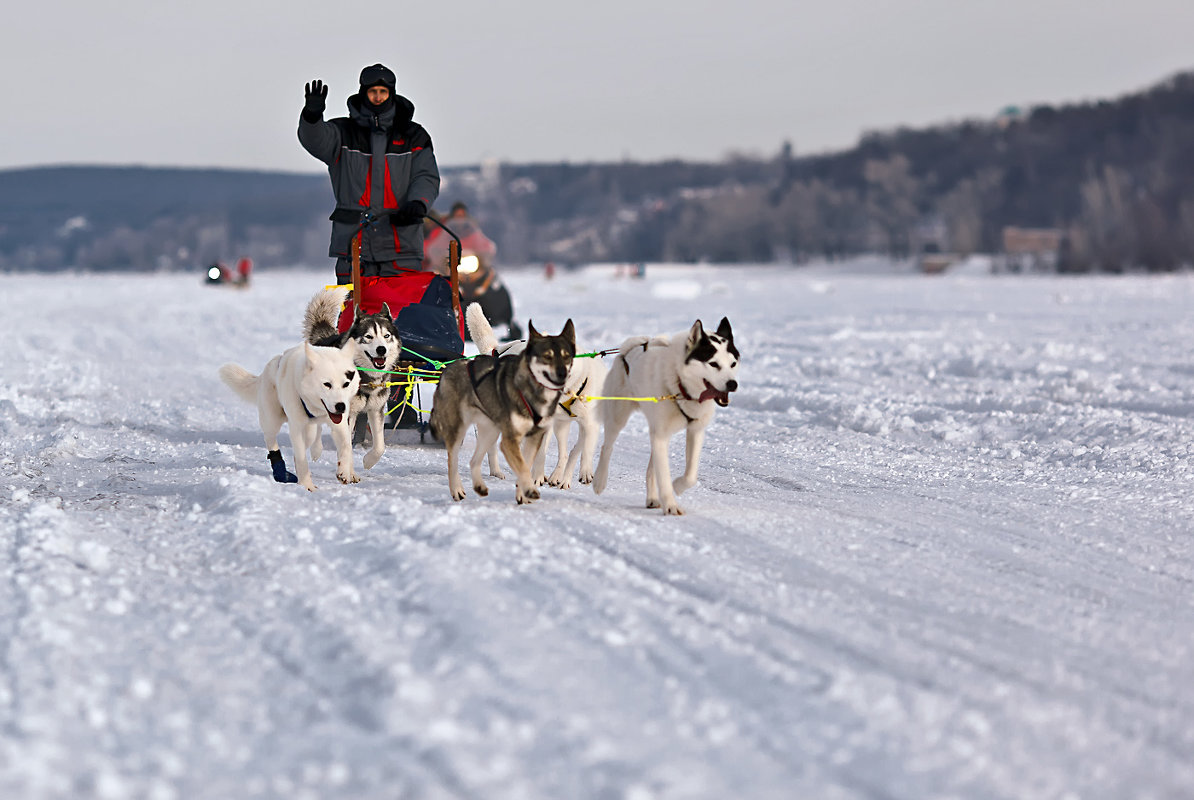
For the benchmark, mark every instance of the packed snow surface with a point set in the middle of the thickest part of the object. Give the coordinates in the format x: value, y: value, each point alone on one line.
x: 940, y: 547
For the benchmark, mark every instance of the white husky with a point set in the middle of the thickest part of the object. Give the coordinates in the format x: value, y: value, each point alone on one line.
x: 688, y: 370
x: 304, y: 387
x: 584, y: 379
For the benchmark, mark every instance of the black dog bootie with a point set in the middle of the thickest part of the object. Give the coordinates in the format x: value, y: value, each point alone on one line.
x: 281, y: 474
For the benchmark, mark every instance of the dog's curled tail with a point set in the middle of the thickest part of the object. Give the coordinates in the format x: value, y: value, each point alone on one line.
x: 323, y: 312
x: 479, y: 329
x: 241, y: 381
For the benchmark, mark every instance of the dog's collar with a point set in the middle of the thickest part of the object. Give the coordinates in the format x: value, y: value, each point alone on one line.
x: 578, y: 394
x: 536, y: 417
x: 304, y: 404
x: 684, y: 413
x: 680, y: 392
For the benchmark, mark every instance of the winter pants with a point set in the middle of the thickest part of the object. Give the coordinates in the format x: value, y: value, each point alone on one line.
x: 370, y: 268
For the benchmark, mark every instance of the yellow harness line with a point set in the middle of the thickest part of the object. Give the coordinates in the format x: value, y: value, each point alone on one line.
x: 567, y: 404
x: 587, y: 397
x: 406, y: 396
x: 409, y: 383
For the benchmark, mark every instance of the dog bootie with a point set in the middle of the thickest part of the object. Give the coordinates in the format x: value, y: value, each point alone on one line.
x: 281, y: 474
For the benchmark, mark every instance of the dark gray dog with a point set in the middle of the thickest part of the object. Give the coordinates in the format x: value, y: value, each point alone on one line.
x: 512, y: 397
x: 378, y: 348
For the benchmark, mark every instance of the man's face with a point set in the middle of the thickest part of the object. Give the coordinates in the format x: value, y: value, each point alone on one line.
x: 377, y: 95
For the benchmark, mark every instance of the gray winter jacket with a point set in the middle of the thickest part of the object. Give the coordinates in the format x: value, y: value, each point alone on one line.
x: 376, y: 163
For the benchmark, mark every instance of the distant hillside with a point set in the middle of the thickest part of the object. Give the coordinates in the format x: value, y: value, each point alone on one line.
x: 148, y: 218
x: 1116, y: 177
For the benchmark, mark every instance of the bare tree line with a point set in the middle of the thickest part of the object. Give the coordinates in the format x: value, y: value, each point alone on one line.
x: 1115, y: 178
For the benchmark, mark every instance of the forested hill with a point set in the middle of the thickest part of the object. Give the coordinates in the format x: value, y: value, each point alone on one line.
x: 1117, y: 176
x: 148, y: 218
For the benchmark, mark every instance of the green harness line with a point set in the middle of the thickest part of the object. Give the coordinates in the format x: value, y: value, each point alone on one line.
x: 439, y: 365
x: 419, y: 375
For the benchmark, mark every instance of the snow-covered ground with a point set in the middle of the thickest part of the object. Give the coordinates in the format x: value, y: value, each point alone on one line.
x: 941, y: 547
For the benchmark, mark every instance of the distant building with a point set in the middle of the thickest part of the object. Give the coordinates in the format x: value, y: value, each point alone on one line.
x: 1031, y: 249
x: 930, y: 244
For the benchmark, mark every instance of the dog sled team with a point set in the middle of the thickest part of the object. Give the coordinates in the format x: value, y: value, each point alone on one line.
x: 517, y: 395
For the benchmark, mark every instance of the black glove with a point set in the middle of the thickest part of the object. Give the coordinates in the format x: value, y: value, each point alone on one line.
x: 411, y: 212
x: 317, y: 96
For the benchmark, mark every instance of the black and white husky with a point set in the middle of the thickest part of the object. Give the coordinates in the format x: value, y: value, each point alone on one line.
x: 584, y: 380
x: 695, y: 371
x: 378, y: 348
x: 512, y: 397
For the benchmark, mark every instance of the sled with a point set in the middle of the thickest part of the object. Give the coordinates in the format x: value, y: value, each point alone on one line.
x: 427, y: 312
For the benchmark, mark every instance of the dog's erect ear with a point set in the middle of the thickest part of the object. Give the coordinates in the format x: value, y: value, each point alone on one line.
x: 349, y: 346
x: 310, y: 353
x: 385, y: 312
x: 723, y: 329
x: 534, y: 334
x: 569, y: 332
x: 696, y: 335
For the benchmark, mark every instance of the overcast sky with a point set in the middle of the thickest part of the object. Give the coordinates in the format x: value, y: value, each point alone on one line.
x: 220, y: 84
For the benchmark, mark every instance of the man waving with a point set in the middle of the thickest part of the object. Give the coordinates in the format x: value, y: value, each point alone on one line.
x: 383, y: 173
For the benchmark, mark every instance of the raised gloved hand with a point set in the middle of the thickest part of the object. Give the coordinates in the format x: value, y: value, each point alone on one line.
x: 317, y: 96
x: 409, y: 213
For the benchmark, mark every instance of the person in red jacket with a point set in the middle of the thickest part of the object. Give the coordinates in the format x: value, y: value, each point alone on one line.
x: 244, y: 269
x: 383, y: 172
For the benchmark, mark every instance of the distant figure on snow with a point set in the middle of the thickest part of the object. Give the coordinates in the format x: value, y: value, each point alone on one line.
x: 244, y: 268
x: 382, y: 165
x: 473, y: 241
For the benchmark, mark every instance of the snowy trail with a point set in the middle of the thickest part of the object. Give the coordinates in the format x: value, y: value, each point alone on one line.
x: 941, y: 546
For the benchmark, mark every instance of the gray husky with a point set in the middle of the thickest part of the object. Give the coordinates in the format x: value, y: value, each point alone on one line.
x: 513, y: 397
x: 689, y: 369
x: 584, y: 379
x: 378, y: 348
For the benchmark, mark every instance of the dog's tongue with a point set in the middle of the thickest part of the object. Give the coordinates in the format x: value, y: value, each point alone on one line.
x: 720, y: 397
x: 379, y: 362
x: 335, y: 418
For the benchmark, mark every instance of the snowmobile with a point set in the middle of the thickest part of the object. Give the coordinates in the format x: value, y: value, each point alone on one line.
x: 479, y: 281
x: 218, y: 274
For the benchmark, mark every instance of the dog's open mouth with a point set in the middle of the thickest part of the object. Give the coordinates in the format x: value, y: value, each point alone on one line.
x: 335, y: 418
x: 719, y: 396
x: 379, y: 362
